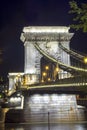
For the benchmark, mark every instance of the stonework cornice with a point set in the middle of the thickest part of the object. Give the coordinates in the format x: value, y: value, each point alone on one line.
x: 46, y: 33
x: 47, y: 36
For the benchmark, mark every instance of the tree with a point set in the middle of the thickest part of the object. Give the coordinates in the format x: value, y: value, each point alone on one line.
x: 80, y: 15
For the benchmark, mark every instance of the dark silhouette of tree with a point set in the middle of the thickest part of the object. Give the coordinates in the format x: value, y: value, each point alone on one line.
x: 80, y: 15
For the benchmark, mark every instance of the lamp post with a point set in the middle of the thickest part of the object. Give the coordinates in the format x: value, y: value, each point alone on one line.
x: 85, y: 61
x: 44, y: 74
x: 47, y: 71
x: 48, y: 121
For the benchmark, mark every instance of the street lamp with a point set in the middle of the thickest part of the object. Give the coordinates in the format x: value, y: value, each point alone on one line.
x: 47, y: 67
x: 49, y: 79
x: 44, y: 74
x: 57, y: 69
x: 85, y: 60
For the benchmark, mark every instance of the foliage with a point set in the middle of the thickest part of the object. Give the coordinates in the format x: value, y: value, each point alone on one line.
x: 80, y: 15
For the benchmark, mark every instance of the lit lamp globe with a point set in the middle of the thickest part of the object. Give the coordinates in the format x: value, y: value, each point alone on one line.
x: 44, y: 74
x: 85, y: 60
x: 47, y: 67
x: 48, y: 79
x: 57, y: 69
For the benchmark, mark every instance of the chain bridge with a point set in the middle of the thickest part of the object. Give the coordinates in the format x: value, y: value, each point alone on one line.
x: 49, y: 60
x: 54, y: 76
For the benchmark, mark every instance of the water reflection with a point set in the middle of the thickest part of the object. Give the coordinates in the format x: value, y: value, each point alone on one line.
x: 71, y: 126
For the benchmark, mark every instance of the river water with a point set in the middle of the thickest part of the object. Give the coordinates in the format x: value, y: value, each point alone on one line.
x: 59, y: 126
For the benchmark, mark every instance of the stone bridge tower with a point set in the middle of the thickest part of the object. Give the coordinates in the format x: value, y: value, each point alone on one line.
x: 39, y: 40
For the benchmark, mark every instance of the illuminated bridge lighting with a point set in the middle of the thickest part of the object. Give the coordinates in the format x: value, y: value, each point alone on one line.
x: 57, y: 85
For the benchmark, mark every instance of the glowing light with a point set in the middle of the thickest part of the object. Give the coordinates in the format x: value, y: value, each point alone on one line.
x: 15, y: 99
x: 57, y: 69
x: 85, y: 59
x: 49, y: 79
x: 47, y: 67
x: 44, y: 74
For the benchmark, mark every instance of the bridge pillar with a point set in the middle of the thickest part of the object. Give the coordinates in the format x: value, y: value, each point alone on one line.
x: 48, y: 39
x: 32, y: 63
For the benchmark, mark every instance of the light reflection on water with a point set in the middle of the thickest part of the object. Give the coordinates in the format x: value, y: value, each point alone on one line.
x: 71, y: 126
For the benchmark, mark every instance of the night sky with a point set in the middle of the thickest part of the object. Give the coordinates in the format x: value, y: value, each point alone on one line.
x: 16, y: 14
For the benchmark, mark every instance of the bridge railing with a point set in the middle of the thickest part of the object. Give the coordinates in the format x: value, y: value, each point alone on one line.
x: 71, y: 80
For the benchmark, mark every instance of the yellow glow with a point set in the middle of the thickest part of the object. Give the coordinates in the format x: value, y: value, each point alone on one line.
x: 44, y: 74
x: 47, y: 67
x: 85, y: 59
x: 57, y: 69
x: 48, y: 79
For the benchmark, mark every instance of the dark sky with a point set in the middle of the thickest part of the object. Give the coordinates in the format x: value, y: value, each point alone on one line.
x: 16, y: 14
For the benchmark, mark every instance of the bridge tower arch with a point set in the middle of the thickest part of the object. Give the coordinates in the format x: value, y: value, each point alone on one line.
x: 39, y: 40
